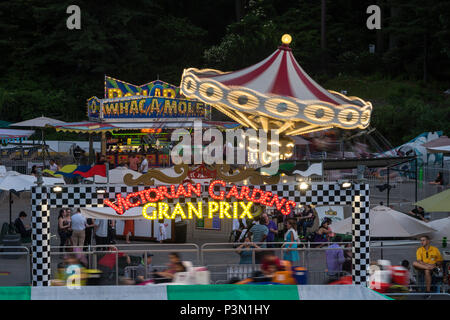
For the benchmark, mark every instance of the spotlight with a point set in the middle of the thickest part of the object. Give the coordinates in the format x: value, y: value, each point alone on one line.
x: 101, y: 191
x: 304, y: 186
x: 57, y: 189
x: 346, y: 185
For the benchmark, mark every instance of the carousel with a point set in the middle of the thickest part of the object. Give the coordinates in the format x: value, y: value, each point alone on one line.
x: 275, y: 94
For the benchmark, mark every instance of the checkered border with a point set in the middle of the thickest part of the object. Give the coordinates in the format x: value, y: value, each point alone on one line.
x: 43, y: 199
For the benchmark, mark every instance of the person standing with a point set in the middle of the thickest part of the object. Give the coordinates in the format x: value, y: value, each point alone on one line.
x: 88, y: 231
x: 78, y: 226
x: 63, y: 229
x: 134, y: 162
x: 144, y: 165
x: 111, y: 232
x: 335, y: 259
x: 306, y: 220
x: 244, y: 250
x: 291, y: 238
x: 259, y: 233
x: 128, y: 229
x: 272, y: 226
x: 101, y: 231
x: 429, y: 260
x: 161, y: 234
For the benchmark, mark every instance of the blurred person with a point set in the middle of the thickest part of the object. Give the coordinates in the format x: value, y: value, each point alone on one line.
x: 439, y: 179
x: 111, y: 235
x: 112, y: 260
x: 272, y: 227
x: 429, y: 260
x: 162, y: 232
x: 23, y: 229
x: 412, y: 279
x: 34, y: 170
x: 324, y: 232
x: 244, y: 251
x: 168, y: 274
x: 271, y: 264
x: 306, y: 220
x: 88, y: 231
x: 63, y: 229
x: 134, y: 162
x: 78, y: 226
x: 335, y: 259
x: 143, y: 168
x: 53, y: 165
x: 128, y: 230
x: 140, y: 270
x: 347, y: 265
x: 291, y: 236
x: 259, y: 233
x: 101, y: 231
x: 418, y: 213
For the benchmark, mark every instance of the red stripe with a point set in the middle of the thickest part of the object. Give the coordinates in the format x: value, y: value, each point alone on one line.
x: 252, y: 75
x: 98, y: 169
x: 282, y: 85
x: 319, y: 94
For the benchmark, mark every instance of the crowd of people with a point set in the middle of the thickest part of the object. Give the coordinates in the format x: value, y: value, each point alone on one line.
x: 256, y: 237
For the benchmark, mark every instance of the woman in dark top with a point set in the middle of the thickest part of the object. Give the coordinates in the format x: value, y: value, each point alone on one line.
x: 88, y: 232
x: 63, y: 229
x: 324, y: 232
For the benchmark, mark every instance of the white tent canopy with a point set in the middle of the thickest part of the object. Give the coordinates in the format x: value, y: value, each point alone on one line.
x: 441, y: 149
x: 39, y: 122
x: 387, y: 223
x: 442, y: 227
x: 13, y: 180
x: 109, y: 213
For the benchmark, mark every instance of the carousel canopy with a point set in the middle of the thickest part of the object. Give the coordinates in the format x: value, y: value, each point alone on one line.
x: 276, y: 93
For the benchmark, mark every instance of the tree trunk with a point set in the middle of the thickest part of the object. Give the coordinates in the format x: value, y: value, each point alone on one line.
x: 239, y: 9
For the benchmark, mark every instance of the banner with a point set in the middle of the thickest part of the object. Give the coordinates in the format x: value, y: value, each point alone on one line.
x: 335, y: 213
x: 115, y: 88
x: 146, y: 108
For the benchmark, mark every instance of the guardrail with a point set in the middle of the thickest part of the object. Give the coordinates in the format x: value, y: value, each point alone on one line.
x: 25, y: 251
x: 311, y: 256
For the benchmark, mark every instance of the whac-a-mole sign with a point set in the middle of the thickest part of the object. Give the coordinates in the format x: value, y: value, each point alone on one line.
x: 154, y: 100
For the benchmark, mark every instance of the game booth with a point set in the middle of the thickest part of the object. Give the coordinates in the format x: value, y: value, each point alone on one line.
x: 274, y: 94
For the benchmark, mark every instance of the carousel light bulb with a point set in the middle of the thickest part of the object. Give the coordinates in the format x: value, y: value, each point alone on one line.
x: 286, y: 39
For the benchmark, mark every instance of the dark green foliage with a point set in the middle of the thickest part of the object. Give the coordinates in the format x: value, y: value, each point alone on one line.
x: 47, y: 69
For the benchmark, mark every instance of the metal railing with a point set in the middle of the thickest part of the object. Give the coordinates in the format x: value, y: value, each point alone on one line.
x: 310, y: 256
x: 24, y: 251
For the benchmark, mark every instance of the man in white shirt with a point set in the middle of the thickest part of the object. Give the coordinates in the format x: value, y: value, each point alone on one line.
x: 101, y: 231
x: 144, y: 166
x: 78, y: 227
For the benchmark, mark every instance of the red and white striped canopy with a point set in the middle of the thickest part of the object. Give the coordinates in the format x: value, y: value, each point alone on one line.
x: 279, y: 74
x: 276, y: 93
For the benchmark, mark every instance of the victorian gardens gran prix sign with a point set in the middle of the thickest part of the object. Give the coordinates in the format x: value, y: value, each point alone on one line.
x: 241, y: 198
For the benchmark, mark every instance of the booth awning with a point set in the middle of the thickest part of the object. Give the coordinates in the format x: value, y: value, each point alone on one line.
x: 12, y: 135
x: 98, y: 127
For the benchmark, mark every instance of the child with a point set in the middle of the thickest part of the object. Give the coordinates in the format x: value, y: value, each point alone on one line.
x: 161, y: 235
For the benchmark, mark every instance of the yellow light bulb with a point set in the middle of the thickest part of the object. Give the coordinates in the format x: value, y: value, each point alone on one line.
x: 286, y: 39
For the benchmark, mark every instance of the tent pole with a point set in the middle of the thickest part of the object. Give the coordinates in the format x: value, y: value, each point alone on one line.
x: 388, y: 189
x: 10, y: 207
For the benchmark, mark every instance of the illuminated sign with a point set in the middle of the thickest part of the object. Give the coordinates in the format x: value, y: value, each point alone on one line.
x: 145, y: 108
x: 115, y: 88
x: 243, y: 197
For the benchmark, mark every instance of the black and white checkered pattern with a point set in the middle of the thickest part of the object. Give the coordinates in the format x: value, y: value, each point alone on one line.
x: 86, y: 196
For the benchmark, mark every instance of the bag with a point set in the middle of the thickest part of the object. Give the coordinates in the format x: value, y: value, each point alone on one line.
x: 311, y: 236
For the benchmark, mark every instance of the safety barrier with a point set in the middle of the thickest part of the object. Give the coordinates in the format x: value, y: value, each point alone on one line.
x: 221, y: 258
